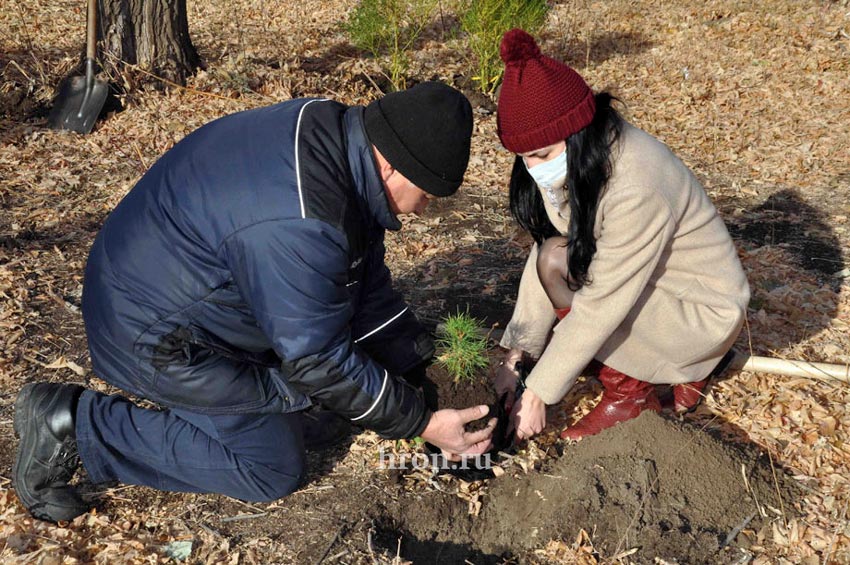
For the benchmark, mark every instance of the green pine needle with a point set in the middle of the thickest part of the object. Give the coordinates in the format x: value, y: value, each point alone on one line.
x: 485, y: 21
x: 461, y: 347
x: 388, y: 30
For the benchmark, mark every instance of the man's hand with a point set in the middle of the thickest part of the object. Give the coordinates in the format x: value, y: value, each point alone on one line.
x: 528, y: 417
x: 446, y: 431
x: 506, y: 375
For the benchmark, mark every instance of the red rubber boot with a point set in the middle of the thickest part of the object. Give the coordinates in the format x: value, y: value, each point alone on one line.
x: 624, y: 398
x: 687, y: 396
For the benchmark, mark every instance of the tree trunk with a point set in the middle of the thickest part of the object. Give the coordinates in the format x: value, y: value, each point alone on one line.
x: 152, y: 34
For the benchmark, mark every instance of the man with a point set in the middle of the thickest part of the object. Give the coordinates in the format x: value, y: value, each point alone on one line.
x: 241, y: 281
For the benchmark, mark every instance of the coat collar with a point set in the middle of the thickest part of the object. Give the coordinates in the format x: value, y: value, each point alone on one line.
x: 364, y: 170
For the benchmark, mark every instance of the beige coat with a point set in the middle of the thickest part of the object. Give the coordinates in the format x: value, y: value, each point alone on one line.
x: 668, y: 295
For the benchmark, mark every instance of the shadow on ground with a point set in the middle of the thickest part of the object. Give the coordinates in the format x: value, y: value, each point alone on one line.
x: 478, y: 279
x: 599, y: 48
x: 786, y: 220
x: 400, y: 542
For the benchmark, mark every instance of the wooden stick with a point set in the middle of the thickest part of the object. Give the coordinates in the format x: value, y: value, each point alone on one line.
x: 339, y: 532
x: 791, y: 368
x: 244, y: 517
x: 737, y: 530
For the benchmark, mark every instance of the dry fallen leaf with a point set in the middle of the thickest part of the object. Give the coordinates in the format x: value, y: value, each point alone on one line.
x: 62, y: 363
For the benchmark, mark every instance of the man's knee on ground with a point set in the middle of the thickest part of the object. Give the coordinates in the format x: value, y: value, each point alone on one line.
x: 261, y: 483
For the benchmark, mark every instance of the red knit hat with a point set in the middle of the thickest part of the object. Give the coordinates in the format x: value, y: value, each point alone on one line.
x: 542, y: 101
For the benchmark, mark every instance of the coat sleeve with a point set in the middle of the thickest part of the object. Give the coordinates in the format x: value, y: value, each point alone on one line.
x: 384, y: 325
x: 533, y: 315
x: 293, y: 275
x: 636, y: 228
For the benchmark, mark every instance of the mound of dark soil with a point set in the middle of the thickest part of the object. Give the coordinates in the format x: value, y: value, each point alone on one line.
x: 477, y: 390
x: 660, y: 487
x: 474, y: 392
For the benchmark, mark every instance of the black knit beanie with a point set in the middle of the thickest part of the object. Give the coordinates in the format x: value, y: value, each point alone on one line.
x: 424, y: 132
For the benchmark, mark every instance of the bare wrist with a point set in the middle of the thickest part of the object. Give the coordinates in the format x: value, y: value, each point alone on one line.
x: 512, y: 356
x: 533, y: 396
x: 427, y: 432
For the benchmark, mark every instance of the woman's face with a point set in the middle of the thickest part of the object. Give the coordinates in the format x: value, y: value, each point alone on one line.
x: 543, y: 154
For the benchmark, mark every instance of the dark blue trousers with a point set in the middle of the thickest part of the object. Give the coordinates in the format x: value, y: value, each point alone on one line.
x: 253, y: 457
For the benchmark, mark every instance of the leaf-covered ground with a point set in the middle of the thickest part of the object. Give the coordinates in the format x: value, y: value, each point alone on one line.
x: 751, y: 94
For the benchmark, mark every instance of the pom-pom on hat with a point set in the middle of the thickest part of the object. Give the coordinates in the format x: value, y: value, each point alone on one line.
x: 424, y: 132
x: 542, y: 101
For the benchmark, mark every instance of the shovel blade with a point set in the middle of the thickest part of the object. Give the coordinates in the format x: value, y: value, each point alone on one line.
x: 78, y: 105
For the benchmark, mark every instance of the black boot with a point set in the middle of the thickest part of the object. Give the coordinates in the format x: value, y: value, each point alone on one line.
x: 47, y: 458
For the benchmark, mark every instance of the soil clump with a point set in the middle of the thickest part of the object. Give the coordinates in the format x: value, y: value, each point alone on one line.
x: 656, y: 486
x: 459, y: 395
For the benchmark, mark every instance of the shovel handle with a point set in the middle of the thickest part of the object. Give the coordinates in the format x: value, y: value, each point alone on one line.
x: 789, y: 368
x: 91, y: 29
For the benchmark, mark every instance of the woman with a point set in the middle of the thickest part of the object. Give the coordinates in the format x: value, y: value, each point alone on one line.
x: 630, y: 254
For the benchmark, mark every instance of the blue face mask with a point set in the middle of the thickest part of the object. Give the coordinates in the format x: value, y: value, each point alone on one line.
x: 551, y: 175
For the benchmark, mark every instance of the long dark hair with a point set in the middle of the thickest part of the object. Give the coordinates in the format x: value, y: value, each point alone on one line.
x: 588, y: 171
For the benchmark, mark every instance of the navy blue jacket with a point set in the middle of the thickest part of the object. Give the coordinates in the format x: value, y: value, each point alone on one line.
x: 245, y: 273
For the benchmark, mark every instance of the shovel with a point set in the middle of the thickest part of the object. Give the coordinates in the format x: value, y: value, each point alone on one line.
x: 81, y: 98
x: 788, y: 368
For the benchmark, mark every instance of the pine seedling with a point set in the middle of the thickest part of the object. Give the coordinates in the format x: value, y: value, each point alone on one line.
x: 461, y: 346
x: 388, y: 29
x: 485, y: 21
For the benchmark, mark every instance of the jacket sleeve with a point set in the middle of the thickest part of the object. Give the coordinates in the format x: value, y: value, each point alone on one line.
x: 293, y: 275
x: 533, y: 315
x: 637, y: 226
x: 384, y: 326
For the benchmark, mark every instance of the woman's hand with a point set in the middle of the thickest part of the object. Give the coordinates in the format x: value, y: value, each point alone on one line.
x: 528, y: 417
x: 506, y: 375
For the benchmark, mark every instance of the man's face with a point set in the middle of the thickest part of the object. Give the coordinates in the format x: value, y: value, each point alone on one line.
x: 405, y: 197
